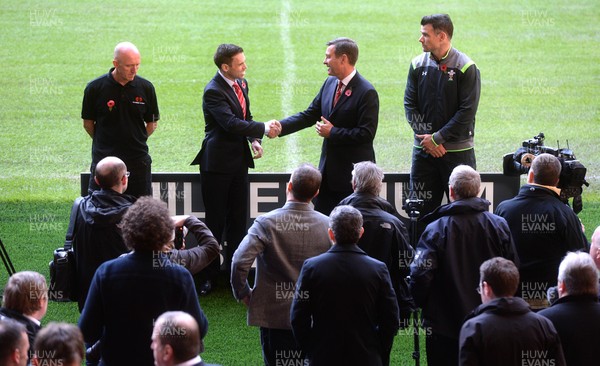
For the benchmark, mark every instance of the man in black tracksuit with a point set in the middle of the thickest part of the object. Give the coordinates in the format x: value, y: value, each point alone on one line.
x: 445, y: 270
x: 440, y: 102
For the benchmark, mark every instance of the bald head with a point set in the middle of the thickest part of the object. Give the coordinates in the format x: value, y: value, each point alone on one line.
x: 125, y: 48
x: 176, y: 338
x: 111, y: 173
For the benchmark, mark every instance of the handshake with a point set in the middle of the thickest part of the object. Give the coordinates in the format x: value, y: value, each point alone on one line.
x: 274, y: 128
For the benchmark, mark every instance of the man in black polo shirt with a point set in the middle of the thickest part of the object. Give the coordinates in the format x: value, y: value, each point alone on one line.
x: 119, y: 112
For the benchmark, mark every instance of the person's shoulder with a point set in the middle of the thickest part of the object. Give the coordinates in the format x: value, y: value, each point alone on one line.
x: 362, y: 81
x: 143, y: 82
x: 460, y: 60
x: 421, y: 60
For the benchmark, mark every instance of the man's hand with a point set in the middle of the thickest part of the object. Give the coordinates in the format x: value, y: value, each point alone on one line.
x: 324, y: 127
x: 274, y: 128
x: 257, y: 149
x: 178, y: 220
x: 430, y: 148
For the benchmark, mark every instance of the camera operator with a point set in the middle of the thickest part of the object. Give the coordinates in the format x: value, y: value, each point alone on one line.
x: 543, y: 227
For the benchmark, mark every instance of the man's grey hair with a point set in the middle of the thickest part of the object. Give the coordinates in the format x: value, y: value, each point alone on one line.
x: 465, y: 182
x: 579, y: 274
x: 367, y: 178
x: 346, y: 223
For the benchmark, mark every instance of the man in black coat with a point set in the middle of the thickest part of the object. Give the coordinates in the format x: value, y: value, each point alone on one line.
x: 460, y: 236
x: 543, y: 227
x: 345, y: 310
x: 576, y: 313
x: 503, y: 331
x: 385, y: 237
x: 97, y: 237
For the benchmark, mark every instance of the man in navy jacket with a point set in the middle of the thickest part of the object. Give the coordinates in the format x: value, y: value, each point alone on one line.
x: 460, y: 236
x: 128, y: 294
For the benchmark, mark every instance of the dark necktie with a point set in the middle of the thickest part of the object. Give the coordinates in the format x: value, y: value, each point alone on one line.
x: 240, y: 97
x: 338, y: 92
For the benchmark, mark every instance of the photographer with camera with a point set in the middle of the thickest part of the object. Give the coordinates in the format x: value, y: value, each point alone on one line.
x: 543, y: 227
x: 198, y: 257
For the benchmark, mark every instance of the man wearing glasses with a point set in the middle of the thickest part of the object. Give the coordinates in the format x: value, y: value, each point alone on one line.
x: 97, y: 237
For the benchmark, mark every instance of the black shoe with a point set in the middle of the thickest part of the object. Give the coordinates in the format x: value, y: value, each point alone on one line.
x: 205, y: 288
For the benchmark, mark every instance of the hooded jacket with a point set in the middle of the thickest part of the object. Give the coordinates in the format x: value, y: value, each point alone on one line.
x: 97, y: 238
x: 445, y: 271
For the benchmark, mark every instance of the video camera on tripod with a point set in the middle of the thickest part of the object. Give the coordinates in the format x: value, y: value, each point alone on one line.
x: 572, y: 175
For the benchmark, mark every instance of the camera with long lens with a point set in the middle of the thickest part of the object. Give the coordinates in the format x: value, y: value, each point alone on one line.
x: 572, y: 175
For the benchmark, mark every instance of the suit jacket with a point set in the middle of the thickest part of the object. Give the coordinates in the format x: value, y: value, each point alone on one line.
x: 126, y: 295
x: 197, y: 258
x: 225, y: 146
x: 345, y: 310
x: 355, y: 118
x: 280, y: 241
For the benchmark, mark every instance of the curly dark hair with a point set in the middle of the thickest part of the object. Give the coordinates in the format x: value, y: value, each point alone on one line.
x: 147, y: 225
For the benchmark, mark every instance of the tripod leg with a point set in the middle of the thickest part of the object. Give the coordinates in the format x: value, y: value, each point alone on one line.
x: 6, y: 260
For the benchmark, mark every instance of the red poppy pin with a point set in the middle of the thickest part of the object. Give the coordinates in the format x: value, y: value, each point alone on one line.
x: 243, y: 85
x: 110, y: 104
x: 348, y: 92
x: 443, y: 67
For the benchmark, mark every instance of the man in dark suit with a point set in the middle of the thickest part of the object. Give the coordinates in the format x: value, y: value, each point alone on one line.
x: 346, y: 112
x: 176, y: 340
x: 345, y: 310
x: 225, y: 157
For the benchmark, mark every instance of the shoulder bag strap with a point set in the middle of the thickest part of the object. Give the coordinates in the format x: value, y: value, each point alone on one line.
x: 72, y: 220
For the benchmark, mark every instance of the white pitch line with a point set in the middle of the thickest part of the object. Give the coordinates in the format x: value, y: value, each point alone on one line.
x: 289, y: 82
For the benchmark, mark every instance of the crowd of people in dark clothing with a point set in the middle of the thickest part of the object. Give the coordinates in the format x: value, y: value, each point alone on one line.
x: 329, y: 290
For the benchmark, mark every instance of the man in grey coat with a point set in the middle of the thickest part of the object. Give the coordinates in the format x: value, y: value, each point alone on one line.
x: 280, y: 241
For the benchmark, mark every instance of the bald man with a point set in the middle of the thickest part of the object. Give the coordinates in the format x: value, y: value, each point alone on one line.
x: 176, y: 340
x: 120, y: 112
x: 97, y: 237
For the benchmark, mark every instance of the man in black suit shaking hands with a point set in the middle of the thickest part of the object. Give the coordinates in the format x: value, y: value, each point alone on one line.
x: 346, y: 112
x: 225, y: 156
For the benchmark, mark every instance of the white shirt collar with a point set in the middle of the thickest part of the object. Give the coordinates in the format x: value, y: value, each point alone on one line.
x: 36, y: 321
x: 193, y: 361
x: 347, y: 79
x: 227, y: 80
